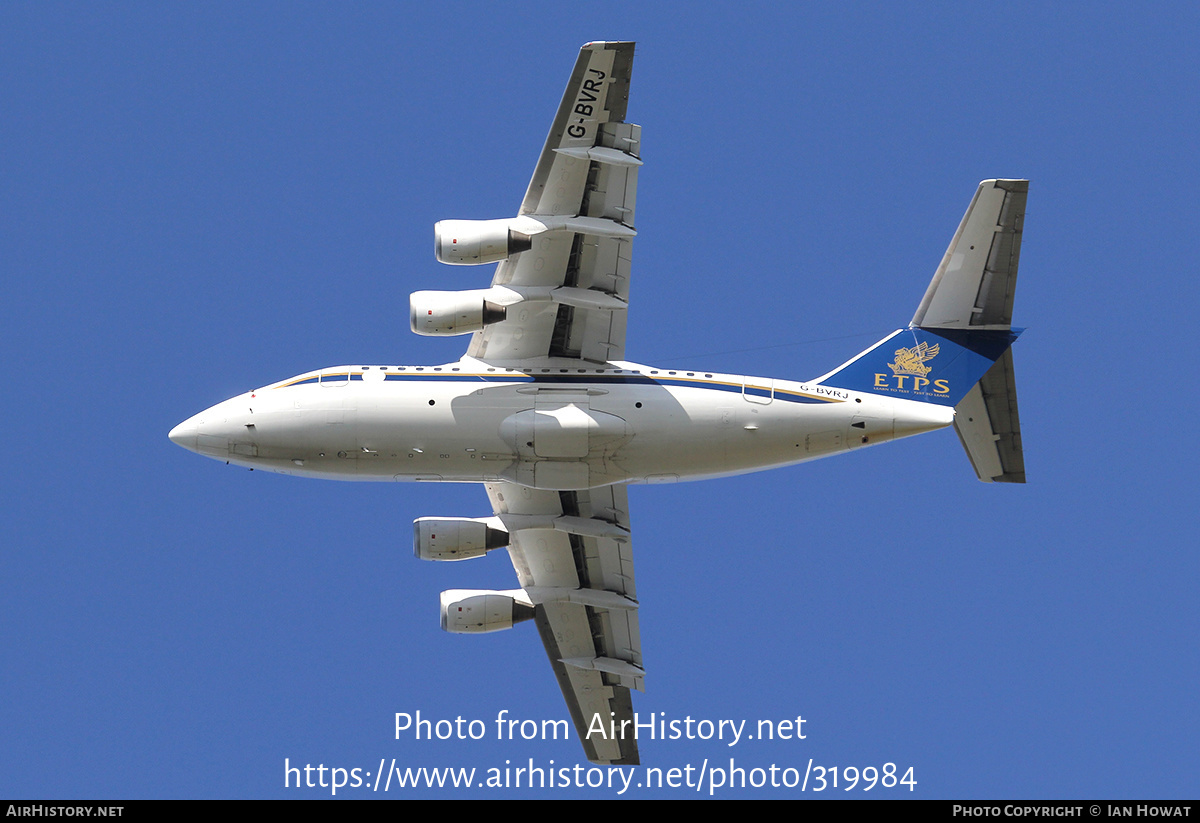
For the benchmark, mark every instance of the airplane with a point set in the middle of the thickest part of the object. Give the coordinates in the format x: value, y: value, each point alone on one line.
x: 547, y: 414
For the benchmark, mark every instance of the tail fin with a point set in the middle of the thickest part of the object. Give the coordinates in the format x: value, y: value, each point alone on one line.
x: 955, y: 352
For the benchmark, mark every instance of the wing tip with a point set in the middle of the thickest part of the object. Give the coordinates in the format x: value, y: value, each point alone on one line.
x: 621, y: 46
x: 624, y: 761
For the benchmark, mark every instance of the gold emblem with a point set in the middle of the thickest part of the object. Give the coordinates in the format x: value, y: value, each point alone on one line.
x: 912, y: 361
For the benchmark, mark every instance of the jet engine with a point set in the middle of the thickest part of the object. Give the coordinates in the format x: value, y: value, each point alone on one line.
x: 455, y: 538
x: 473, y: 242
x: 474, y: 611
x: 447, y: 313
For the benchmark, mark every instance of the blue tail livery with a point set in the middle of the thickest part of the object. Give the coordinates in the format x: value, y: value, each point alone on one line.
x: 927, y: 366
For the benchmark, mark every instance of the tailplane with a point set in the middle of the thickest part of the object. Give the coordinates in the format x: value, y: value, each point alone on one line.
x: 955, y: 352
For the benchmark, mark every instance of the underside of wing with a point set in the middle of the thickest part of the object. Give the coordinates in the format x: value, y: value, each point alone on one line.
x: 573, y: 558
x: 579, y: 215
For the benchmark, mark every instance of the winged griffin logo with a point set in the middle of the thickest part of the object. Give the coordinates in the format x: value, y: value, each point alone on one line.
x: 912, y: 361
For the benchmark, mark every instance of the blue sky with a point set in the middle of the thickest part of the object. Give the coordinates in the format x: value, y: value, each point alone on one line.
x: 199, y: 200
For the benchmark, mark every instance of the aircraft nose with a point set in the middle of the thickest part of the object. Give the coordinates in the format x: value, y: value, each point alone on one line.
x: 185, y: 434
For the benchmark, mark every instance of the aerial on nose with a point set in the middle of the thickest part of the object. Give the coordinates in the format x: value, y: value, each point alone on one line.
x: 185, y: 434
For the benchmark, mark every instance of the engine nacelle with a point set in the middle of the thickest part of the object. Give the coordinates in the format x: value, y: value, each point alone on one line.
x: 472, y: 242
x: 447, y: 313
x: 455, y: 538
x: 475, y: 611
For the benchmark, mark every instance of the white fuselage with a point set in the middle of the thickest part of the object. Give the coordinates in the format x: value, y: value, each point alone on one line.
x: 552, y: 427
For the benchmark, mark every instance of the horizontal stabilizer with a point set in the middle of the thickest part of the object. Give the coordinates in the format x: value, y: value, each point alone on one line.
x: 989, y: 427
x: 974, y: 285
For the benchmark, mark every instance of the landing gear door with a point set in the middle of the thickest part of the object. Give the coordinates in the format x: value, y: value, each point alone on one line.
x: 561, y: 424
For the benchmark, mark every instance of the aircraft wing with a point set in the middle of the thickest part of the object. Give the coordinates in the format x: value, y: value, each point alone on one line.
x: 584, y: 190
x: 573, y: 557
x: 571, y: 549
